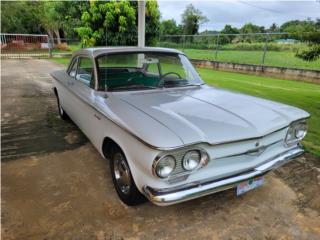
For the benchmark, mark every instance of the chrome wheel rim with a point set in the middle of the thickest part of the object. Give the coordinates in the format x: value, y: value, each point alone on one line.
x: 61, y: 109
x: 122, y: 173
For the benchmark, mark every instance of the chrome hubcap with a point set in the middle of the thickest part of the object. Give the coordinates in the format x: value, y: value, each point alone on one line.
x: 61, y: 109
x: 122, y: 173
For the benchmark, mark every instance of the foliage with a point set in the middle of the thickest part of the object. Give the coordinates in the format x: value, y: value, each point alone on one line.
x: 152, y: 23
x: 170, y: 27
x: 192, y: 18
x: 20, y: 17
x: 115, y: 22
x: 249, y: 29
x: 298, y: 26
x: 228, y: 29
x: 211, y: 44
x: 311, y: 36
x: 273, y: 28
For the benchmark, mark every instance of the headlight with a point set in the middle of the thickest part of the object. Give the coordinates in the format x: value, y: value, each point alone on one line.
x: 165, y: 166
x: 296, y: 132
x: 191, y: 160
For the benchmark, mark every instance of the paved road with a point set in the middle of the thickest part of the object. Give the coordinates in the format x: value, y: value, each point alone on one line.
x: 56, y: 186
x: 30, y: 123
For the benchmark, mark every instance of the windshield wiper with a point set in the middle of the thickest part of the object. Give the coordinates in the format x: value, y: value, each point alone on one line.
x: 183, y: 85
x: 133, y: 86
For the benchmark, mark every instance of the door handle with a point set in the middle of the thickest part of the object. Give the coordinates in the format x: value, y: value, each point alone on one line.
x: 70, y: 83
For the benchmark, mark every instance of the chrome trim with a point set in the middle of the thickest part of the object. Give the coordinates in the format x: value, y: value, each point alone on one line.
x: 296, y: 140
x: 175, y: 147
x: 168, y: 196
x: 203, y: 161
x: 157, y: 160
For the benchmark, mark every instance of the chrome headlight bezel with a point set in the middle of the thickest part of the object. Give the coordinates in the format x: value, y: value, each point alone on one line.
x: 296, y: 132
x: 179, y: 155
x: 202, y: 161
x: 162, y: 160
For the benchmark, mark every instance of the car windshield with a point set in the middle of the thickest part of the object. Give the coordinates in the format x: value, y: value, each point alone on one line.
x: 148, y: 70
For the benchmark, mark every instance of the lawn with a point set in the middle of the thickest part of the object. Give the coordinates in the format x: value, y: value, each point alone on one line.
x: 272, y: 58
x: 299, y: 94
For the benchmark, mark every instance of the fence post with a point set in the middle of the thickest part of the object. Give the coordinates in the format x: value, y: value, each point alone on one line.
x: 50, y: 45
x: 184, y: 42
x: 217, y: 47
x: 265, y: 49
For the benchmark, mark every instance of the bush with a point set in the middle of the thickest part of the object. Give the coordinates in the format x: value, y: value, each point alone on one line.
x: 258, y: 46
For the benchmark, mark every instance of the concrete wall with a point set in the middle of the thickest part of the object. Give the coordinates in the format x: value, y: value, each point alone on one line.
x: 279, y: 72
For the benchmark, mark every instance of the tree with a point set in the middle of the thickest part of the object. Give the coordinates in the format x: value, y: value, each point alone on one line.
x: 273, y: 28
x: 228, y: 29
x: 312, y: 53
x: 250, y: 28
x: 169, y: 27
x: 298, y: 26
x: 61, y: 17
x: 306, y: 31
x: 20, y: 17
x: 115, y: 23
x: 152, y: 23
x: 192, y: 19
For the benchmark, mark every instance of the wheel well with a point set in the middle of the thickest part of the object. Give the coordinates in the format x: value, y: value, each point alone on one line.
x: 55, y: 91
x: 107, y: 145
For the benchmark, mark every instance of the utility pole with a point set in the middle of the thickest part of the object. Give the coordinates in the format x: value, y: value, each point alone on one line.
x: 141, y: 23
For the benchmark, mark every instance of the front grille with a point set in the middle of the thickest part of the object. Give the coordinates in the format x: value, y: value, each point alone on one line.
x: 179, y: 168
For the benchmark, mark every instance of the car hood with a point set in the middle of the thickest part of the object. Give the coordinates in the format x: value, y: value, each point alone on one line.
x: 207, y: 114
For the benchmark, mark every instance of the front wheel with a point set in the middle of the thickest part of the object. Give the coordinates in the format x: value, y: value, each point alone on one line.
x: 122, y: 179
x: 63, y: 115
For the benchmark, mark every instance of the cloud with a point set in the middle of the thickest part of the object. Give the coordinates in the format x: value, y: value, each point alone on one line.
x: 238, y: 13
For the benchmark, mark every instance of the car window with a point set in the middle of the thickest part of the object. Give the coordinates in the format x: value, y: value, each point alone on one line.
x: 73, y: 68
x: 85, y: 71
x: 145, y: 70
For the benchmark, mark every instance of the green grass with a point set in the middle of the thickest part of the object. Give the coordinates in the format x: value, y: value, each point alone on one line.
x: 300, y: 94
x: 272, y: 58
x: 63, y: 60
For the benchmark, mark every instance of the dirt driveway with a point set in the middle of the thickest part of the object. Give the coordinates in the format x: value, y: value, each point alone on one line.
x: 56, y: 186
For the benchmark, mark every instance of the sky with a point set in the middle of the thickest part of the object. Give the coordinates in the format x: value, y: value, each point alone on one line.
x: 238, y: 12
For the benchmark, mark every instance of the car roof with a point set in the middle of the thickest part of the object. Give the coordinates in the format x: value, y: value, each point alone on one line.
x: 94, y: 52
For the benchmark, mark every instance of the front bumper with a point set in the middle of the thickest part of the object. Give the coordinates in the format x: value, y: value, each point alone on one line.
x: 168, y: 196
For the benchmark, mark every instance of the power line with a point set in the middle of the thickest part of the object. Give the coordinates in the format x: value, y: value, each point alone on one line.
x: 269, y: 9
x: 262, y: 8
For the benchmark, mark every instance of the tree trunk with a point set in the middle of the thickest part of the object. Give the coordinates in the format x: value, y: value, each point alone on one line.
x: 56, y: 31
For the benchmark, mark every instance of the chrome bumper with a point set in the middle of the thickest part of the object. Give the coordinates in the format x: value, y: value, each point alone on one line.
x: 168, y: 196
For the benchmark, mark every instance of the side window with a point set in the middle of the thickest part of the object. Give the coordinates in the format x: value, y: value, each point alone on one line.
x: 73, y: 68
x: 85, y: 71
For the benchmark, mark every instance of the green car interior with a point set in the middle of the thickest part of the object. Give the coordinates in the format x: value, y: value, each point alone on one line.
x: 144, y: 70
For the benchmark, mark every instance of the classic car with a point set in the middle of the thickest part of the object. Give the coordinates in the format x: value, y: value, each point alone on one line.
x: 168, y: 136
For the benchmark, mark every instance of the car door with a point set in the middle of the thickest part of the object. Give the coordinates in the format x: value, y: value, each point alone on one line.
x: 80, y: 105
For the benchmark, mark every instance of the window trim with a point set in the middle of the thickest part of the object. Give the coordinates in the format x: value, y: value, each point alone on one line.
x: 73, y: 61
x: 92, y: 82
x: 96, y: 58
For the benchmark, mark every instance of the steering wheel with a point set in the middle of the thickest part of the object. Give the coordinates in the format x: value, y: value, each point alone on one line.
x: 168, y: 73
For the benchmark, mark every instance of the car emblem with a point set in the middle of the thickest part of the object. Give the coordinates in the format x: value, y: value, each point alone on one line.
x: 257, y: 144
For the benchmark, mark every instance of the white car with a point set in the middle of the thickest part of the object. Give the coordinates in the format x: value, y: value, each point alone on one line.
x: 169, y: 136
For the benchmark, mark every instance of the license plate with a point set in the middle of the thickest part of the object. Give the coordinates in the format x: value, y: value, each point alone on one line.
x: 249, y: 185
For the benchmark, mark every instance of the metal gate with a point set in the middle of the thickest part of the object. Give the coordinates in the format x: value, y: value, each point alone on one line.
x: 24, y: 45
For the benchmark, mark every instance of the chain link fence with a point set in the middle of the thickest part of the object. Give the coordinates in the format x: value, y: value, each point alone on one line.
x: 266, y: 49
x: 24, y: 45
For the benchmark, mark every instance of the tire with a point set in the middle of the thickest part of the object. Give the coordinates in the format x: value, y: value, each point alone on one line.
x: 62, y: 113
x: 122, y: 179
